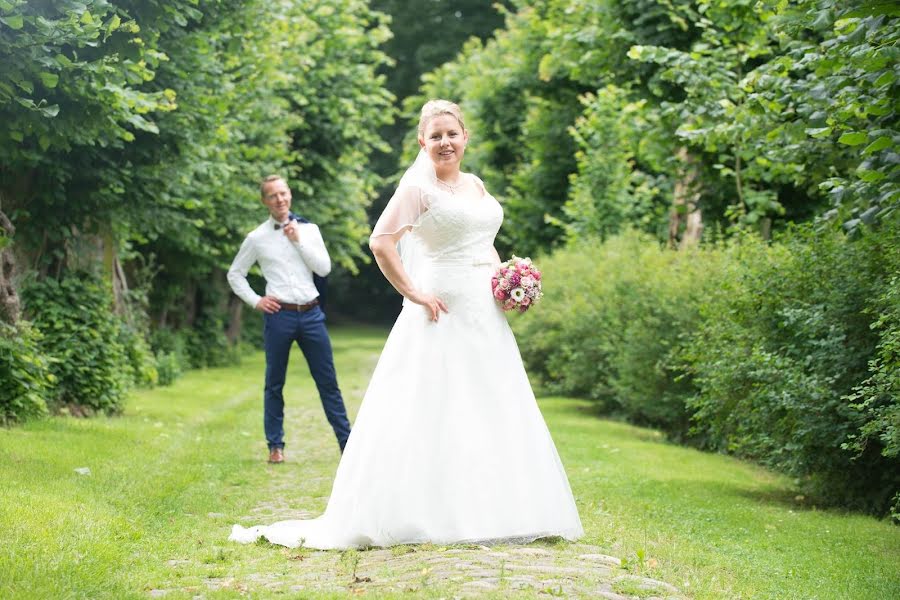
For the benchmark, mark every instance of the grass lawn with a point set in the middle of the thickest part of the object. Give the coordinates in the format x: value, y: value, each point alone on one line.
x: 169, y: 477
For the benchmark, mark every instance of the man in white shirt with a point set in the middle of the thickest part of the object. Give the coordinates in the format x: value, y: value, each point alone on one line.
x: 289, y: 251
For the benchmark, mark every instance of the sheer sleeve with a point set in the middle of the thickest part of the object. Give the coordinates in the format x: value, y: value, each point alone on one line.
x: 409, y: 203
x: 404, y: 210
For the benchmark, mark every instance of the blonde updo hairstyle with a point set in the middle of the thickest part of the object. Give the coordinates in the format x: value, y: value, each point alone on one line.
x: 435, y: 108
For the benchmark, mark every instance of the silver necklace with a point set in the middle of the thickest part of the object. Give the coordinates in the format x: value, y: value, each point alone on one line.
x: 453, y: 187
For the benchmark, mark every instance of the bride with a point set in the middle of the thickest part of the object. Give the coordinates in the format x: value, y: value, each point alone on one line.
x: 449, y: 445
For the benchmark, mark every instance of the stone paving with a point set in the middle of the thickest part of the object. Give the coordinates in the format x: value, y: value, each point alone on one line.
x: 558, y: 570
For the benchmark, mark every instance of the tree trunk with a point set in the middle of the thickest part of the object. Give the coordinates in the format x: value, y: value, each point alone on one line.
x: 235, y: 312
x: 10, y: 307
x: 765, y: 228
x: 685, y: 211
x: 14, y: 194
x: 190, y: 306
x: 693, y: 228
x: 120, y: 289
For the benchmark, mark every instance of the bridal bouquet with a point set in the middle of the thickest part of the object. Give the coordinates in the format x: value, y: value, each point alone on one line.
x: 517, y: 284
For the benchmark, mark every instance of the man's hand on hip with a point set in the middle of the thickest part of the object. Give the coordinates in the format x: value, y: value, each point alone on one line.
x: 268, y: 304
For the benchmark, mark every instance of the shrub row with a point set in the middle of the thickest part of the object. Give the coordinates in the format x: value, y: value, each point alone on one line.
x: 75, y: 355
x: 785, y: 353
x: 25, y: 377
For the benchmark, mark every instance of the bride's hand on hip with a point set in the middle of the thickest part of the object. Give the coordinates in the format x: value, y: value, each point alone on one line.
x: 433, y: 305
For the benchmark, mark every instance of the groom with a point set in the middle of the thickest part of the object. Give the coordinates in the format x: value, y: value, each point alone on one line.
x: 290, y: 251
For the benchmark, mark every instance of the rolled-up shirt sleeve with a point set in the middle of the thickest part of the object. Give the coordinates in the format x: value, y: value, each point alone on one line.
x: 312, y: 250
x: 237, y: 273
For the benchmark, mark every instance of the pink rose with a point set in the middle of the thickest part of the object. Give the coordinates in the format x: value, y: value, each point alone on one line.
x: 509, y: 304
x: 504, y: 284
x: 500, y: 294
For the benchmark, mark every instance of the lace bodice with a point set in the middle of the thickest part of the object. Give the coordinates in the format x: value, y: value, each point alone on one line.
x: 459, y: 228
x: 446, y: 240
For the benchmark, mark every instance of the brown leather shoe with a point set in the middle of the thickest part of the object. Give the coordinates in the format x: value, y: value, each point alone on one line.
x: 276, y: 456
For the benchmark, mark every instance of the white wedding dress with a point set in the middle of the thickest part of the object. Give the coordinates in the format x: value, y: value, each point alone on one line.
x: 449, y: 445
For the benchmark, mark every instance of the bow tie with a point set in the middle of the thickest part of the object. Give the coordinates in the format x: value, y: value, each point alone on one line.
x: 279, y: 225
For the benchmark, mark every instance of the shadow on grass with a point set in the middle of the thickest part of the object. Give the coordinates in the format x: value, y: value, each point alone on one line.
x: 735, y: 496
x: 785, y: 497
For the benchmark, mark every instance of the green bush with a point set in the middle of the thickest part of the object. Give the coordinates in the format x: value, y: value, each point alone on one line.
x: 168, y: 367
x: 206, y: 344
x: 141, y: 366
x: 877, y: 399
x: 25, y: 377
x: 81, y: 334
x: 252, y: 330
x: 785, y: 337
x: 612, y: 324
x: 785, y: 353
x: 169, y: 348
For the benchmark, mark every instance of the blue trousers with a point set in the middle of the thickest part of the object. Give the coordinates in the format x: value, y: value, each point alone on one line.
x: 280, y: 331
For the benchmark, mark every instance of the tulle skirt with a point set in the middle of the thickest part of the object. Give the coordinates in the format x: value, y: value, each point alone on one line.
x: 449, y: 445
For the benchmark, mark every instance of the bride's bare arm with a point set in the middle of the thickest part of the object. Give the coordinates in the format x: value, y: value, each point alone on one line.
x: 384, y: 248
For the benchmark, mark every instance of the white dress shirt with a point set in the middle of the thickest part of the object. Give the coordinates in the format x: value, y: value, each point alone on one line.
x: 287, y: 266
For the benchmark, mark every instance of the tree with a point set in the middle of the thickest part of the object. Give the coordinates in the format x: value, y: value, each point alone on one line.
x: 760, y: 113
x: 137, y: 131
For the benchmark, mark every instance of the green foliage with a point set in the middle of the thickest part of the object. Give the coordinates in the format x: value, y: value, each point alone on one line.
x: 205, y: 343
x: 81, y: 334
x: 831, y: 101
x: 169, y: 350
x: 142, y: 128
x: 784, y: 353
x: 168, y: 368
x: 784, y: 339
x: 612, y: 191
x: 614, y: 323
x: 141, y: 366
x: 57, y: 91
x: 413, y: 22
x: 25, y: 377
x: 877, y: 399
x: 782, y: 108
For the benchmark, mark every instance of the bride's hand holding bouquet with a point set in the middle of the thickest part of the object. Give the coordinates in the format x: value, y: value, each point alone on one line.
x: 517, y: 284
